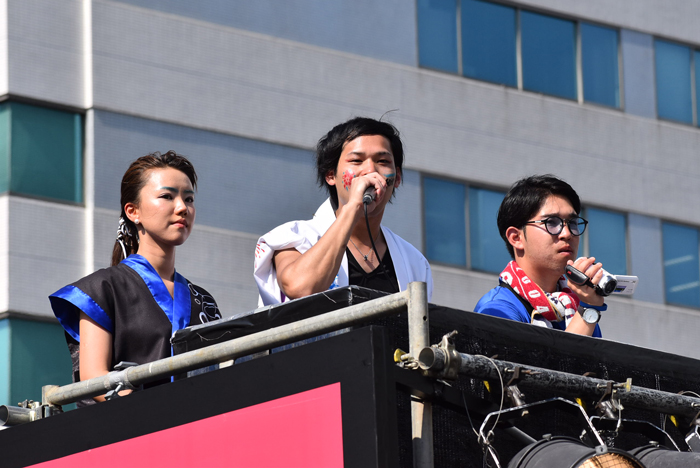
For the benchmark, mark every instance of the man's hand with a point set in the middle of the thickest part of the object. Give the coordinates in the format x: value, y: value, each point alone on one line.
x: 595, y: 272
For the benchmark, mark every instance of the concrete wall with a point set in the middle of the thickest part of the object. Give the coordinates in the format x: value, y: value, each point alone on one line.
x: 45, y: 43
x: 676, y: 19
x: 247, y: 93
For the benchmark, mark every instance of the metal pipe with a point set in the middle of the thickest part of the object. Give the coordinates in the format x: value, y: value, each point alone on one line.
x: 421, y: 411
x: 290, y: 333
x: 563, y: 383
x: 14, y: 415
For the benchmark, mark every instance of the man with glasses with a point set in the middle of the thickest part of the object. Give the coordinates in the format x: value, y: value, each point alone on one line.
x: 540, y: 224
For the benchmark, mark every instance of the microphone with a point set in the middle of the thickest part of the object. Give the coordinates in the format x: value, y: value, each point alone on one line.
x: 369, y: 195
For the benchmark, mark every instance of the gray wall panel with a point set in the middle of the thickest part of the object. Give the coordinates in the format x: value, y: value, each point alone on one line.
x: 212, y: 77
x: 45, y: 252
x: 45, y: 50
x: 244, y: 185
x: 638, y: 78
x: 672, y: 18
x: 178, y: 70
x: 404, y: 216
x: 646, y: 259
x: 4, y: 58
x: 384, y: 30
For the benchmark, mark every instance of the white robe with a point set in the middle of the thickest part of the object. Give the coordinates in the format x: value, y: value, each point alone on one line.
x: 410, y: 265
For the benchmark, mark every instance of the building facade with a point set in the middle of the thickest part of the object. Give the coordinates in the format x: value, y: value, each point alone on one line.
x: 603, y: 94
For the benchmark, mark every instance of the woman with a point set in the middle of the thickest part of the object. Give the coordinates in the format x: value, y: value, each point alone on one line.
x: 129, y: 311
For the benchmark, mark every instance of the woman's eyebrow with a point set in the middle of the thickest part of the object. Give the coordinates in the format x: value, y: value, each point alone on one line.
x: 174, y: 190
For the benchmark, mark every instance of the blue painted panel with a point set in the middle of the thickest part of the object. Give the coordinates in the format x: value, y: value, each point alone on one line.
x: 5, y: 345
x: 487, y: 249
x: 4, y: 147
x: 681, y: 264
x: 607, y: 239
x: 39, y: 357
x: 437, y: 34
x: 638, y: 73
x: 488, y: 42
x: 384, y: 30
x: 548, y: 54
x: 696, y: 60
x: 600, y: 65
x: 673, y: 85
x: 445, y: 216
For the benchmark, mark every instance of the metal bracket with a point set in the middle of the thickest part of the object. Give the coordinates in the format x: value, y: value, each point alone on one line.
x: 609, y: 405
x: 693, y: 440
x: 121, y: 379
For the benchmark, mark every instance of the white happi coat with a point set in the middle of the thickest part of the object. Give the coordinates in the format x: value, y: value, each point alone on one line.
x: 410, y: 265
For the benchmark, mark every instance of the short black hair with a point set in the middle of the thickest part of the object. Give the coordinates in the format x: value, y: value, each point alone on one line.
x: 330, y: 146
x: 526, y: 197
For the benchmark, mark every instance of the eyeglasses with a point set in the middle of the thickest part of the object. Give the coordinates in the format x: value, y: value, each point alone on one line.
x: 555, y: 225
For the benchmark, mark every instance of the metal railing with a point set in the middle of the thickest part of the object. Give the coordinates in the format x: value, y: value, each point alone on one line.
x: 414, y: 300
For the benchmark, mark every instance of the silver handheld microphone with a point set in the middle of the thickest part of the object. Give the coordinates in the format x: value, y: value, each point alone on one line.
x: 369, y: 195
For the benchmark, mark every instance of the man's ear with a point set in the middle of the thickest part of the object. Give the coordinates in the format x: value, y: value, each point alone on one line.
x: 397, y: 180
x: 330, y: 178
x: 516, y: 237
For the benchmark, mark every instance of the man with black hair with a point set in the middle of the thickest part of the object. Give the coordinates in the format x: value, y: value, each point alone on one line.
x: 345, y: 243
x: 540, y: 224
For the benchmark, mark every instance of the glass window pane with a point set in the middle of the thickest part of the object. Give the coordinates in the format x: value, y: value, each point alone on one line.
x: 437, y: 34
x: 4, y: 147
x: 46, y: 152
x: 488, y: 42
x: 445, y: 231
x: 488, y: 251
x: 673, y: 92
x: 548, y: 54
x: 607, y: 239
x: 697, y: 86
x: 599, y: 60
x: 681, y: 266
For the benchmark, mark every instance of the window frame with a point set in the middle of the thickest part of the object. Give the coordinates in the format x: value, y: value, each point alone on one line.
x: 467, y: 221
x: 586, y: 236
x: 578, y: 62
x: 694, y: 103
x: 663, y: 261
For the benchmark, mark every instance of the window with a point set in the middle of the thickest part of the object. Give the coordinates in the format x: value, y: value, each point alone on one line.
x: 599, y: 64
x: 519, y: 48
x: 40, y: 152
x: 488, y: 42
x: 445, y: 226
x: 446, y: 213
x: 607, y: 239
x: 681, y: 266
x: 548, y: 54
x: 696, y: 60
x: 673, y: 84
x: 437, y: 34
x: 488, y: 251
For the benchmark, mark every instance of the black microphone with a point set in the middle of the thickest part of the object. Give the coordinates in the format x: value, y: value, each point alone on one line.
x: 369, y: 195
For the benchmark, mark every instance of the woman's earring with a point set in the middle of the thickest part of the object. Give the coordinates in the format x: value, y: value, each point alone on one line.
x: 136, y: 221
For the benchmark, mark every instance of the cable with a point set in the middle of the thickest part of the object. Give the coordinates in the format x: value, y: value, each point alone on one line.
x: 374, y: 247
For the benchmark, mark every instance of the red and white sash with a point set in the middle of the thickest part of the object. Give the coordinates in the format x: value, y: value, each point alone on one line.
x: 554, y: 307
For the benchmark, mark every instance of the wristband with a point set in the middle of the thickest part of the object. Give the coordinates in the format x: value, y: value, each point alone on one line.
x: 602, y: 308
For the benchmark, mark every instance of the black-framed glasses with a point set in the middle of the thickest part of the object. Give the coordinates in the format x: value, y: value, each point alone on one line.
x: 555, y: 225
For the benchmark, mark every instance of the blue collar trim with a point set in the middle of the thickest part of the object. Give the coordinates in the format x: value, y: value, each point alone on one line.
x: 178, y: 310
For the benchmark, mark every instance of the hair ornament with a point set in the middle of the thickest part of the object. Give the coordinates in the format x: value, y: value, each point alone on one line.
x: 123, y: 232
